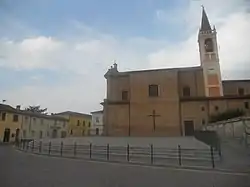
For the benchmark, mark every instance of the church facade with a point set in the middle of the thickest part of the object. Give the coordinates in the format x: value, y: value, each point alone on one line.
x: 173, y: 101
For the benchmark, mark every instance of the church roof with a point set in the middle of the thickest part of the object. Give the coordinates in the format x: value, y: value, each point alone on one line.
x: 205, y: 25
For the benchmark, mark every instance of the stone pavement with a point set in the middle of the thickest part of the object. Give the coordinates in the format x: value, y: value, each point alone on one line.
x: 19, y: 169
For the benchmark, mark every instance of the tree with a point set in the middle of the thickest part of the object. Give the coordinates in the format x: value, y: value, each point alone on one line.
x: 36, y: 109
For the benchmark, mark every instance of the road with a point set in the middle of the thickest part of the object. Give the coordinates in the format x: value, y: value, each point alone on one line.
x: 19, y: 169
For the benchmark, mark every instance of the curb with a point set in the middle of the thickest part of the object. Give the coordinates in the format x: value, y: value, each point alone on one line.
x: 197, y: 168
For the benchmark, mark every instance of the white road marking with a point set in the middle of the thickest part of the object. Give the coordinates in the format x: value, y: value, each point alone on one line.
x: 139, y: 165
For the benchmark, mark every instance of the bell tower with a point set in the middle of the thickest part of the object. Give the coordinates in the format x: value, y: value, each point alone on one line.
x: 209, y: 57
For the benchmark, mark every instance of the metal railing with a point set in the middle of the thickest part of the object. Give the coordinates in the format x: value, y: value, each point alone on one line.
x: 132, y: 154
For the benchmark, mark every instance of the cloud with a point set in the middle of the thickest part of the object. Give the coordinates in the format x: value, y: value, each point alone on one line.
x: 85, y: 55
x: 232, y: 23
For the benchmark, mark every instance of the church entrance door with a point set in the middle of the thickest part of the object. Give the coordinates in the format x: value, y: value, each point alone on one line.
x: 189, y: 128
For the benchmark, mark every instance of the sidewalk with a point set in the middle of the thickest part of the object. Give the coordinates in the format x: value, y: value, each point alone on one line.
x: 235, y: 156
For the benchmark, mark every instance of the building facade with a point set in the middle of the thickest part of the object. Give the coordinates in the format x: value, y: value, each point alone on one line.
x: 10, y: 123
x: 16, y: 124
x: 172, y: 102
x: 79, y: 123
x: 40, y: 126
x: 97, y: 123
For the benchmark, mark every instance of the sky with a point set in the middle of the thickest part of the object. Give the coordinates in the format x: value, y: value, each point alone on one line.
x: 54, y: 53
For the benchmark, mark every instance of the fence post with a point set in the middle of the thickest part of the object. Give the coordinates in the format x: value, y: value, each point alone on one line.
x: 107, y: 151
x: 128, y: 153
x: 212, y: 155
x: 152, y: 153
x: 75, y: 149
x: 23, y: 144
x: 49, y: 147
x: 33, y: 143
x: 179, y: 155
x: 90, y: 150
x: 40, y: 146
x: 61, y: 148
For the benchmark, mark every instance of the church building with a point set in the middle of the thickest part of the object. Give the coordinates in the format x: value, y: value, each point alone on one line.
x: 173, y: 101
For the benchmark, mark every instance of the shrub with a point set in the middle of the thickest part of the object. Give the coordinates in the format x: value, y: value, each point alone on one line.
x: 229, y: 114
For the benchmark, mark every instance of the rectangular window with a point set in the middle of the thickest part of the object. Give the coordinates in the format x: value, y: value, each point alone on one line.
x: 41, y: 134
x: 32, y: 133
x: 42, y: 121
x: 97, y: 120
x: 186, y: 91
x: 124, y: 95
x: 216, y: 108
x: 83, y: 123
x: 26, y: 118
x: 3, y: 116
x: 153, y: 90
x: 89, y: 124
x: 246, y: 105
x: 241, y: 91
x: 78, y: 122
x: 15, y: 118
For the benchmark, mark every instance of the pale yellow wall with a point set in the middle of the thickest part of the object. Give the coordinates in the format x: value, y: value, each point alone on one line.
x: 9, y: 123
x: 78, y: 130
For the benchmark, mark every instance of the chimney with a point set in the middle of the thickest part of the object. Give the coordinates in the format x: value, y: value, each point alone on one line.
x: 18, y: 107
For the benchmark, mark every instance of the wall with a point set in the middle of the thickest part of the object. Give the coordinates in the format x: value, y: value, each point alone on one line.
x: 81, y: 128
x: 230, y: 87
x: 38, y: 127
x: 97, y: 123
x: 193, y: 78
x: 192, y: 110
x: 132, y: 117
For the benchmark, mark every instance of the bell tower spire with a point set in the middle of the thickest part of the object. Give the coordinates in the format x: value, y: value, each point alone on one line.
x: 209, y: 57
x: 205, y: 25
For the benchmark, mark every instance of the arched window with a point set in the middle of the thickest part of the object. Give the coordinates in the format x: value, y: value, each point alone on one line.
x: 209, y: 45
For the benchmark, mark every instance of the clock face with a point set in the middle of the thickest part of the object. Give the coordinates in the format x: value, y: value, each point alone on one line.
x: 209, y: 45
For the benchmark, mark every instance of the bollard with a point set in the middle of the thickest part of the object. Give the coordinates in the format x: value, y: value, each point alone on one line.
x: 107, y: 151
x: 49, y: 147
x: 152, y: 153
x: 179, y: 155
x: 61, y: 148
x: 212, y: 155
x: 75, y: 149
x: 128, y: 153
x: 33, y: 142
x: 27, y: 145
x: 90, y: 150
x: 40, y: 146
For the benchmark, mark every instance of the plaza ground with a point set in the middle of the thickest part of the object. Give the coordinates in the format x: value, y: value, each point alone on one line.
x: 27, y: 170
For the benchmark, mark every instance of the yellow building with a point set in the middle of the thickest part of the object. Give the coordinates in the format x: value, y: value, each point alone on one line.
x: 10, y: 123
x: 79, y: 123
x: 16, y: 124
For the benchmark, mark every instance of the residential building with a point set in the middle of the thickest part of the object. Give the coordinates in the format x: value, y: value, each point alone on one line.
x: 79, y: 123
x: 39, y: 126
x: 97, y: 123
x: 174, y: 101
x: 16, y: 124
x: 10, y: 123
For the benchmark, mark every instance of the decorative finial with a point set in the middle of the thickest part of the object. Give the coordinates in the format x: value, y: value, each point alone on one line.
x: 202, y: 7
